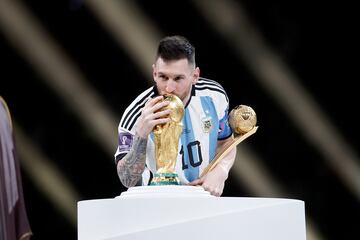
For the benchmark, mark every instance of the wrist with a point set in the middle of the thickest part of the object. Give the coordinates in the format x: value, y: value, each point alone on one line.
x: 141, y: 134
x: 222, y: 171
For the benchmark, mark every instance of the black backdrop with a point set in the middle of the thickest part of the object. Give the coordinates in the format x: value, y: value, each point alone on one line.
x: 316, y: 41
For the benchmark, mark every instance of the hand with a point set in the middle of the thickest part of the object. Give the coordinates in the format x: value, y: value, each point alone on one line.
x: 212, y: 182
x: 151, y: 116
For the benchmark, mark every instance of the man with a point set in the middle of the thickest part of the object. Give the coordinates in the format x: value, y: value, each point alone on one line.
x: 205, y: 122
x: 14, y: 224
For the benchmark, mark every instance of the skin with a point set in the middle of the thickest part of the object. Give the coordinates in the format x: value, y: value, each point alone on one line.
x: 175, y: 77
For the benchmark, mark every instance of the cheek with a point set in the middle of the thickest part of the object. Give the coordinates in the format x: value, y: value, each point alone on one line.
x: 161, y: 86
x: 184, y: 88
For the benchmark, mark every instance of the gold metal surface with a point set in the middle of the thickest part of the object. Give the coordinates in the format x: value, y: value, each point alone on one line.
x: 166, y: 138
x: 242, y: 119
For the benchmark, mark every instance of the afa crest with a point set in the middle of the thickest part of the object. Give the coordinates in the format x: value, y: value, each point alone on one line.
x: 206, y: 123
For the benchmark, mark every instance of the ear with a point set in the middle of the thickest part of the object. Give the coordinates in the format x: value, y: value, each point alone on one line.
x: 154, y: 71
x: 196, y: 75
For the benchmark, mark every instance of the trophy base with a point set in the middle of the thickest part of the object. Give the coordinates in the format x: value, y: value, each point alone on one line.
x: 160, y: 179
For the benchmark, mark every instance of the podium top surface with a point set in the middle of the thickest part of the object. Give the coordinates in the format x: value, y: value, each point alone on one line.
x: 144, y: 212
x: 167, y: 191
x: 187, y: 192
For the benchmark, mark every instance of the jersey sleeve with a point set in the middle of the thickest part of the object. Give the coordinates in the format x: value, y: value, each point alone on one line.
x: 222, y: 107
x: 224, y: 127
x: 125, y: 142
x: 127, y: 125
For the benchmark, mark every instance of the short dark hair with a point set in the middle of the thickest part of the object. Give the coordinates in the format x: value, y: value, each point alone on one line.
x: 175, y: 48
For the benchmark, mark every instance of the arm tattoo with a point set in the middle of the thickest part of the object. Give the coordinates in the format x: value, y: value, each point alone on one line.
x: 131, y: 167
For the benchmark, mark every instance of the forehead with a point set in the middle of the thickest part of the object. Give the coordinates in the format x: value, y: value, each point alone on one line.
x: 180, y: 66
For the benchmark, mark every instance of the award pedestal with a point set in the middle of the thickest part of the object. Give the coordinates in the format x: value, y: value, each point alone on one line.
x: 186, y: 212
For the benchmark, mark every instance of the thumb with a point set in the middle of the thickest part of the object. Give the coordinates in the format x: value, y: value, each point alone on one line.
x: 196, y: 182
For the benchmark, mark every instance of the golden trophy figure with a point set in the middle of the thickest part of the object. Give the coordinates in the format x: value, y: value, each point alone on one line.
x: 242, y: 120
x: 166, y: 138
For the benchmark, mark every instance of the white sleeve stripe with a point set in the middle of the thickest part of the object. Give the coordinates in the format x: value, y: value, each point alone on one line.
x: 136, y: 101
x: 213, y: 89
x: 210, y: 85
x: 133, y: 116
x: 134, y: 108
x: 210, y: 82
x: 134, y: 120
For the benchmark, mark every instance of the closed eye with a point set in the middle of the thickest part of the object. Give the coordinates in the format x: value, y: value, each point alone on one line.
x: 178, y: 78
x: 163, y: 77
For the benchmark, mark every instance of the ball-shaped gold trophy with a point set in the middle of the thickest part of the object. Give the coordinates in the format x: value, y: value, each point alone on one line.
x: 242, y: 120
x: 166, y: 137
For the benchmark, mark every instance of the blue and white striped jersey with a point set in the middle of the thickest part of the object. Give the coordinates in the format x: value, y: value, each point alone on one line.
x: 205, y: 122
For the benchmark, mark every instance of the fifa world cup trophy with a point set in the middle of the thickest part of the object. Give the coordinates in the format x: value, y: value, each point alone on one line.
x: 166, y: 137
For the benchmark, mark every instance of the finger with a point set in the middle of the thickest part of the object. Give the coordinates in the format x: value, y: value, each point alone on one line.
x: 160, y: 121
x: 153, y: 101
x: 159, y: 105
x: 196, y: 182
x: 162, y: 114
x: 216, y: 192
x: 149, y: 106
x: 211, y: 190
x: 157, y: 115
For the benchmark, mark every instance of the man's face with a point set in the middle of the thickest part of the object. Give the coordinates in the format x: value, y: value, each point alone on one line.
x: 175, y: 77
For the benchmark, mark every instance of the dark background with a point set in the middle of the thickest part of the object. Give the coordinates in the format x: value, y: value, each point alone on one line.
x: 315, y: 39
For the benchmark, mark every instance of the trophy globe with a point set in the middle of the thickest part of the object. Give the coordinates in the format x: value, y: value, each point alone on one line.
x: 242, y: 119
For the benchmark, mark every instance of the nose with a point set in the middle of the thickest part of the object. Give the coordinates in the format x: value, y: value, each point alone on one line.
x: 170, y: 86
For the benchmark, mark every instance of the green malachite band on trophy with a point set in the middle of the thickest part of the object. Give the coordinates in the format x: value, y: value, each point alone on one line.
x: 166, y: 175
x: 165, y: 179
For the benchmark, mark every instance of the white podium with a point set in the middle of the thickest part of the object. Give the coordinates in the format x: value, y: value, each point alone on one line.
x: 185, y: 212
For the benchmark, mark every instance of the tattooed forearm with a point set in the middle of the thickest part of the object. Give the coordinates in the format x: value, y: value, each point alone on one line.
x: 131, y: 167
